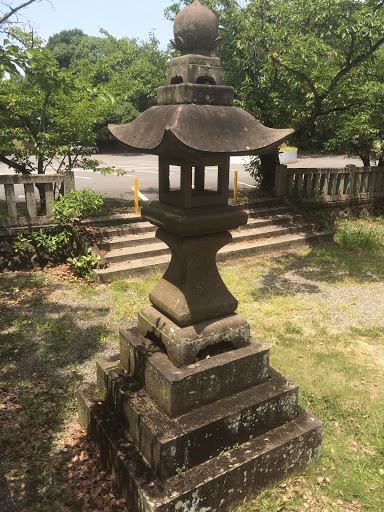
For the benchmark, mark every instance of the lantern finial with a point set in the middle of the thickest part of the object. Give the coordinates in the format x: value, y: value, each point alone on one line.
x: 196, y: 30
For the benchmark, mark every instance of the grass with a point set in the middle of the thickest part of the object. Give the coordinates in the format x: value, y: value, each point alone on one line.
x: 361, y: 234
x: 304, y: 305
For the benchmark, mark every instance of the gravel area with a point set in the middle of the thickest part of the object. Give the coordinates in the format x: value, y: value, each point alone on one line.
x: 342, y: 305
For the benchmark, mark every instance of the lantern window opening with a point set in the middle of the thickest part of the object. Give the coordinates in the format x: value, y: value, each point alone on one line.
x: 177, y: 80
x: 206, y: 80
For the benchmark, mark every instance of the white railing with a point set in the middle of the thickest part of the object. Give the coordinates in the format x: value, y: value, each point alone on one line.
x: 329, y: 185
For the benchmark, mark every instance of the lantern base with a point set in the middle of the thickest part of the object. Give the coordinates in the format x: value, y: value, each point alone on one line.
x: 183, y: 344
x: 200, y: 455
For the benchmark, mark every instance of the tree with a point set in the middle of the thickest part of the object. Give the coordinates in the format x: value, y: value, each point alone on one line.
x: 10, y: 16
x: 64, y: 45
x: 295, y: 63
x: 361, y: 129
x: 129, y: 70
x: 43, y: 114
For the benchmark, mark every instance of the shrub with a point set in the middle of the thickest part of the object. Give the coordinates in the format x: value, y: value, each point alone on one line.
x: 56, y: 244
x: 76, y: 204
x: 84, y: 264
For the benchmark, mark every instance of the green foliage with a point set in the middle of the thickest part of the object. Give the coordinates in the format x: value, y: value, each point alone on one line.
x: 254, y: 168
x: 84, y: 264
x: 53, y: 243
x: 322, y: 218
x: 287, y: 147
x: 305, y: 64
x: 181, y: 471
x: 124, y: 68
x: 63, y: 45
x: 46, y: 111
x: 361, y: 234
x: 76, y: 204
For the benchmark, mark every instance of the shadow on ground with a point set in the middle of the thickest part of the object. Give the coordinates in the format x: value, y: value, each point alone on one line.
x: 292, y: 273
x: 43, y: 341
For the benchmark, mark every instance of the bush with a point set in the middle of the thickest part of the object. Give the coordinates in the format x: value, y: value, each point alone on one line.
x: 76, y: 204
x: 57, y: 243
x: 84, y: 264
x: 254, y: 169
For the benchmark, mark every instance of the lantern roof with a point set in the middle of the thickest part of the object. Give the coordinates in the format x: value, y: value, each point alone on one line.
x: 195, y: 111
x: 210, y: 129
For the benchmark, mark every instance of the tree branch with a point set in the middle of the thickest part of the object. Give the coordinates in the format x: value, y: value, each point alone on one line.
x: 352, y: 64
x: 299, y: 74
x: 18, y: 167
x: 15, y: 10
x: 338, y: 109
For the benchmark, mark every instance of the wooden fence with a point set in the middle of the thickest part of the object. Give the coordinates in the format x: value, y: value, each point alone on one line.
x: 48, y: 182
x: 329, y: 185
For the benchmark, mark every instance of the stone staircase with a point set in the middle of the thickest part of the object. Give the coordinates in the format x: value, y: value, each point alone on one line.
x: 130, y: 247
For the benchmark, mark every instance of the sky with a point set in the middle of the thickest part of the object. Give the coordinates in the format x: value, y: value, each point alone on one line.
x: 129, y: 18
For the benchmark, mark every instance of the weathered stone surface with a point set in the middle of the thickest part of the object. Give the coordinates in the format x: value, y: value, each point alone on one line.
x: 195, y: 74
x: 192, y: 290
x: 183, y: 344
x: 213, y: 130
x: 218, y: 484
x: 196, y: 30
x: 177, y: 391
x: 200, y: 94
x: 194, y: 221
x: 191, y: 439
x: 198, y: 60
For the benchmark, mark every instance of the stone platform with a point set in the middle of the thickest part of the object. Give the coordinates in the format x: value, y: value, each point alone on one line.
x: 198, y: 438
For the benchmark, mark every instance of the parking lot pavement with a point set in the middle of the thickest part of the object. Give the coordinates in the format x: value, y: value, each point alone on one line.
x: 145, y: 169
x: 325, y: 161
x: 142, y: 167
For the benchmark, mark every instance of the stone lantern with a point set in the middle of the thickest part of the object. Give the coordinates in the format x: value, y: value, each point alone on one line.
x: 190, y: 383
x: 195, y: 125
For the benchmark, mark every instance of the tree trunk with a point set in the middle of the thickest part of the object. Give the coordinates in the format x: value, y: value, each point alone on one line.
x: 41, y: 187
x: 268, y: 170
x: 366, y: 160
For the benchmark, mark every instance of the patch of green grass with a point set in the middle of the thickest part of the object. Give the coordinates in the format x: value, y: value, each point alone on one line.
x: 127, y: 297
x: 371, y: 332
x: 366, y: 234
x: 339, y: 386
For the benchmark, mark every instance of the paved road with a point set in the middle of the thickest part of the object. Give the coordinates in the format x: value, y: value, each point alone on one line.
x: 145, y: 168
x: 142, y: 167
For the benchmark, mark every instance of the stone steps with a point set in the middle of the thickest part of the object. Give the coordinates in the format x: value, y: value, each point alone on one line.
x: 145, y: 236
x: 130, y: 246
x: 158, y: 249
x: 127, y: 269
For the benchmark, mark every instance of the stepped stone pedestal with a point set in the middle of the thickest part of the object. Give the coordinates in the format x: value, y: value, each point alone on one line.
x: 190, y: 416
x: 197, y: 438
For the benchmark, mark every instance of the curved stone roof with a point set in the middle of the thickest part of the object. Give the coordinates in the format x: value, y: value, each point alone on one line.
x: 211, y: 129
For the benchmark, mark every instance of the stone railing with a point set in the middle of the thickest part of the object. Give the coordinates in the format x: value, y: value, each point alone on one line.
x: 329, y: 185
x: 66, y: 181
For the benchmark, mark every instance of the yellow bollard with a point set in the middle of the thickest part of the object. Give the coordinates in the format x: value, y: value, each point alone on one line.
x: 235, y: 187
x: 136, y: 189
